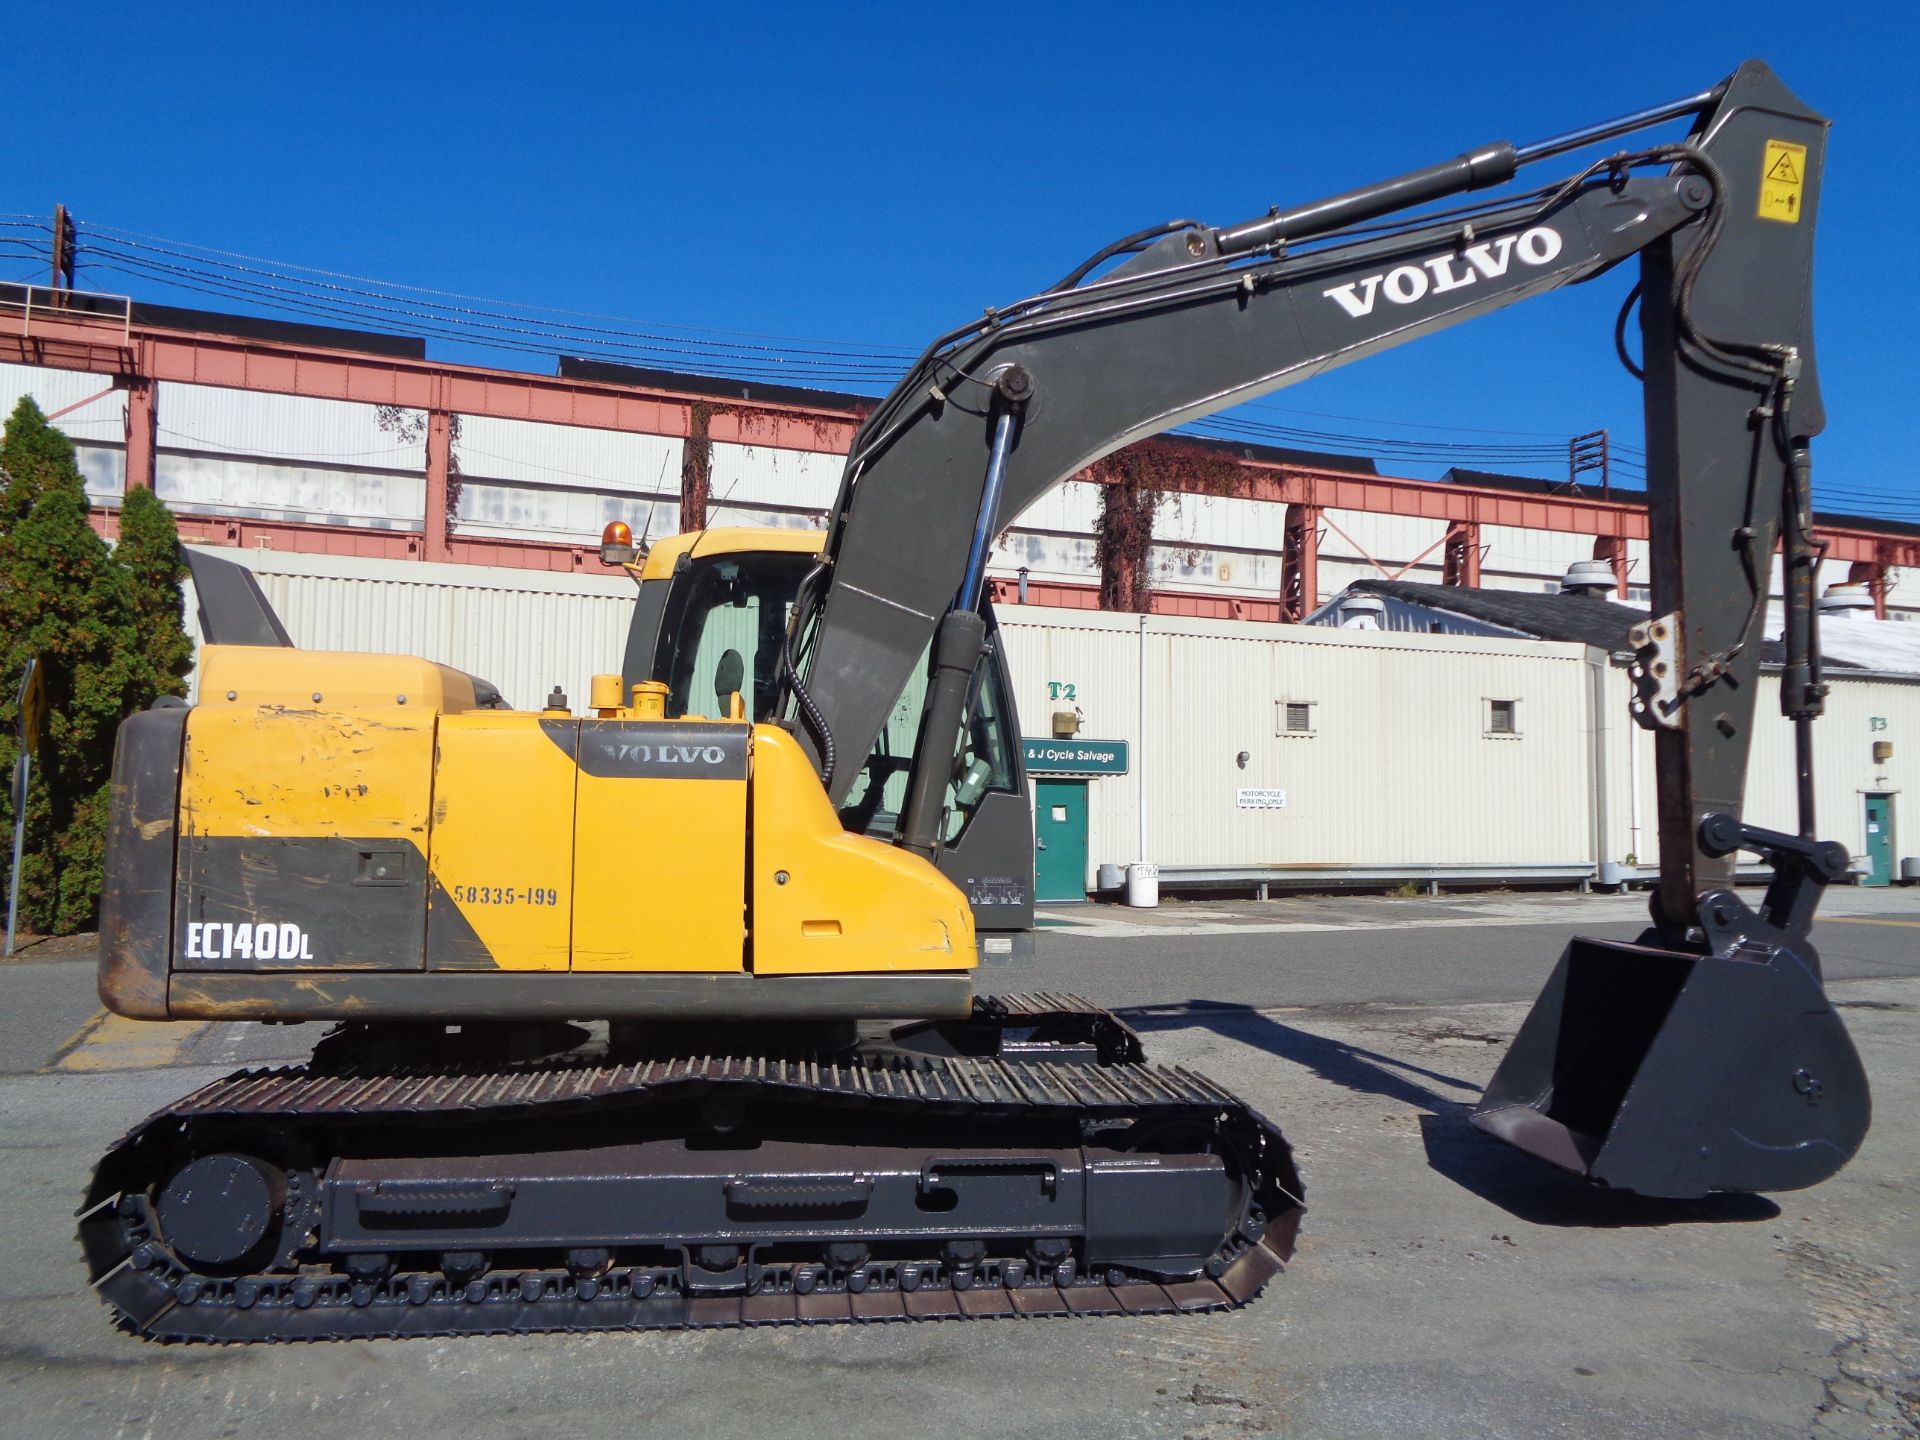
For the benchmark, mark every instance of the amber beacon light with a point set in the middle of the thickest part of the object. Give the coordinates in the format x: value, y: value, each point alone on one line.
x: 616, y: 544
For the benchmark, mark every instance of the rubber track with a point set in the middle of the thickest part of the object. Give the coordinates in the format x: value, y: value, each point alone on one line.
x: 148, y: 1302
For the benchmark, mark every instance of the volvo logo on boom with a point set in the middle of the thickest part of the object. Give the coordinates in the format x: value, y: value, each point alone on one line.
x: 1490, y: 259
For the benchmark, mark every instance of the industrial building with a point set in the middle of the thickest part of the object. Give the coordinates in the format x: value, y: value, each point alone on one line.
x: 389, y: 502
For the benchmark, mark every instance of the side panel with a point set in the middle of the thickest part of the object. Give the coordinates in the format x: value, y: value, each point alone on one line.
x: 660, y: 845
x: 991, y: 860
x: 136, y: 902
x: 501, y: 892
x: 826, y: 902
x: 303, y: 838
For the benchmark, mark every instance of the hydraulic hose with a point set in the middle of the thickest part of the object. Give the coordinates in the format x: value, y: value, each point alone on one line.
x: 790, y: 673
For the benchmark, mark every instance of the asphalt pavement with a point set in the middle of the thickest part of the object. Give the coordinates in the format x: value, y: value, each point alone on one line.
x: 1444, y: 1286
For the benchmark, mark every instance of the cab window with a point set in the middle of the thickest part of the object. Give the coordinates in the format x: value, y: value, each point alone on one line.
x: 984, y: 763
x: 725, y: 621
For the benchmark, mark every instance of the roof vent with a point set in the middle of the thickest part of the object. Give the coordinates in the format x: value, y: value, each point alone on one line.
x: 1847, y: 602
x: 1588, y: 577
x: 1362, y: 612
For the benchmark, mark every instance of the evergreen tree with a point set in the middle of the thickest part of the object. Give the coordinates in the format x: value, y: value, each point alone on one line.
x: 107, y: 642
x: 35, y: 457
x: 149, y: 551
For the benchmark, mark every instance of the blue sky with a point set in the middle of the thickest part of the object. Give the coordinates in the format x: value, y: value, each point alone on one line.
x: 872, y: 175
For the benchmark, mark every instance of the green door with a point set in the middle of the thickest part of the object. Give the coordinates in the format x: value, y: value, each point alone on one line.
x: 1879, y: 840
x: 1059, y: 840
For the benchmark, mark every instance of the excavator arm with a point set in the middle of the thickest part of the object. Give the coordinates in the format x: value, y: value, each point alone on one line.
x: 1718, y: 1000
x: 1201, y: 319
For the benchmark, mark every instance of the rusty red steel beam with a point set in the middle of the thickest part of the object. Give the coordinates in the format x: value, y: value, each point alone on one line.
x: 1446, y: 502
x: 1065, y: 595
x: 1850, y: 544
x: 369, y: 544
x: 142, y: 432
x: 235, y: 363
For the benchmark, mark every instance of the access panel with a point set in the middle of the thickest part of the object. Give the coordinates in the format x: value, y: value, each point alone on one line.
x: 501, y: 891
x: 303, y: 837
x: 660, y: 844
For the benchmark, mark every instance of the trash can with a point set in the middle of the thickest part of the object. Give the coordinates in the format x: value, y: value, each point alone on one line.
x: 1143, y: 885
x: 1110, y: 878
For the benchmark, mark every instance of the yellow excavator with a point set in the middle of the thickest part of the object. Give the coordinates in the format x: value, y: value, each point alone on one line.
x: 775, y: 851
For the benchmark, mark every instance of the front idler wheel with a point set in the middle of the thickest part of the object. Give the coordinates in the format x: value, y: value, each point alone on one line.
x: 221, y: 1213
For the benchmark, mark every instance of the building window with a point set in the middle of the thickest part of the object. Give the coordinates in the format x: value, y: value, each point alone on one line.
x: 1503, y: 717
x: 1293, y: 717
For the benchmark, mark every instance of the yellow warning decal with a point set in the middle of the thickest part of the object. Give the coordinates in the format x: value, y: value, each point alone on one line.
x: 1783, y: 182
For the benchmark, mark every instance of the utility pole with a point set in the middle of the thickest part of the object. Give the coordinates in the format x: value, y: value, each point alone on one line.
x: 63, y: 249
x: 30, y: 709
x: 1590, y: 452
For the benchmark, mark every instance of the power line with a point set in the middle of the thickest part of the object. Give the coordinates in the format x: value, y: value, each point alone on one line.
x: 529, y: 340
x: 340, y: 297
x: 393, y: 285
x: 1617, y: 446
x: 385, y: 299
x: 459, y: 326
x: 485, y: 321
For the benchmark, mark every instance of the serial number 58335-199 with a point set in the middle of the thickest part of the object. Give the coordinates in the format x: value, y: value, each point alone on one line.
x: 504, y: 895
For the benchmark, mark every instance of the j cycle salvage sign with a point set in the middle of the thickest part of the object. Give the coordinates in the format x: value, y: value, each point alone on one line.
x: 1075, y: 757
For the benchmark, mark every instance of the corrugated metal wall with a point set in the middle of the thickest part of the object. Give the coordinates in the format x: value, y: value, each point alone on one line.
x: 524, y: 630
x: 521, y: 480
x: 287, y: 458
x: 766, y: 475
x: 1212, y: 544
x: 296, y: 459
x: 303, y: 460
x: 1398, y: 767
x: 98, y: 428
x: 1861, y: 709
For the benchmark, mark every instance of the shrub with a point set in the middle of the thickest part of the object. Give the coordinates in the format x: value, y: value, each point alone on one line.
x: 106, y: 626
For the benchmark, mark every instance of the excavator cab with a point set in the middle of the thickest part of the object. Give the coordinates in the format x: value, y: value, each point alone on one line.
x: 718, y: 603
x: 708, y: 595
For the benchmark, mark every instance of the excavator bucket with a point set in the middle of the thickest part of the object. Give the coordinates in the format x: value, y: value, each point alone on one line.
x: 1675, y: 1074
